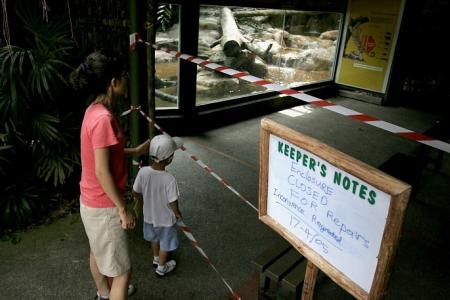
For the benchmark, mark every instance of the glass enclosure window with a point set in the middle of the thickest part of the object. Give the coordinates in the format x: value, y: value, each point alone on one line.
x: 166, y: 65
x: 292, y: 48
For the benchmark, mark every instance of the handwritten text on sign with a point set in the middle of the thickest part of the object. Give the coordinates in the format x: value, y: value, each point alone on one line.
x: 338, y: 215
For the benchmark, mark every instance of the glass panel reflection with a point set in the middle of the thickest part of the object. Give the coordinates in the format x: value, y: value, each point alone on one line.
x: 292, y: 48
x: 166, y: 65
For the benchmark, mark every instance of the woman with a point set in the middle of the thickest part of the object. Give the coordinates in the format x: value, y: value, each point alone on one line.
x: 104, y: 173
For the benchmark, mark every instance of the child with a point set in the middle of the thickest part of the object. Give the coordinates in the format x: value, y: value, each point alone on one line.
x: 156, y: 191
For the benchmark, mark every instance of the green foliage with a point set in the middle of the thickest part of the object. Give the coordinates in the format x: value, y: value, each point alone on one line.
x: 54, y: 162
x: 38, y: 138
x: 20, y: 202
x: 165, y: 16
x: 4, y: 148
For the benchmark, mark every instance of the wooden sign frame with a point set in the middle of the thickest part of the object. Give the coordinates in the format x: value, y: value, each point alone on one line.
x: 398, y: 191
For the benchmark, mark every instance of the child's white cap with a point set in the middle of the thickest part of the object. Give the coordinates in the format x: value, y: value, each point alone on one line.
x: 163, y: 146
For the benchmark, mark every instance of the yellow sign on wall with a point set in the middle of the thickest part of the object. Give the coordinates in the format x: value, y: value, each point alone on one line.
x: 368, y: 45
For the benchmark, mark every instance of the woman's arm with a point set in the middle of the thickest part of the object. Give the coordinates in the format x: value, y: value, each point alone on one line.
x: 104, y: 176
x: 139, y: 150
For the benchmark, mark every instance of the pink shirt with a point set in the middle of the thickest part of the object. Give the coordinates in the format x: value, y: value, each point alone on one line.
x: 100, y: 130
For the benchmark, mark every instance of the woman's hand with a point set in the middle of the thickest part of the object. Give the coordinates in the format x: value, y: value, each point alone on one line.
x: 142, y: 149
x: 126, y: 219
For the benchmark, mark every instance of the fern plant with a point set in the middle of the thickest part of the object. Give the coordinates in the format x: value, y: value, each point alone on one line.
x: 165, y: 16
x: 38, y: 138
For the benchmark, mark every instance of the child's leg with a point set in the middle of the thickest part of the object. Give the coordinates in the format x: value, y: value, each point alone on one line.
x: 155, y: 248
x: 151, y: 235
x: 169, y: 242
x: 163, y: 255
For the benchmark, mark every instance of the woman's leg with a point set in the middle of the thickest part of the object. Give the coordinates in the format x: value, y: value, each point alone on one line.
x: 119, y: 288
x: 101, y: 281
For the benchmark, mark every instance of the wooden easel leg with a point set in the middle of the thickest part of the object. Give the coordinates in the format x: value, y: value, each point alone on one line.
x: 310, y: 281
x: 264, y: 283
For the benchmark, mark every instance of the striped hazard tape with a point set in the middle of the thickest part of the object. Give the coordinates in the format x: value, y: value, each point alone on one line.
x: 193, y: 157
x: 187, y: 232
x: 400, y: 131
x: 182, y: 226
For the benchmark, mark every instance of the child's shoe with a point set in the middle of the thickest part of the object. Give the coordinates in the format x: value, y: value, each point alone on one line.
x: 131, y: 290
x: 161, y: 271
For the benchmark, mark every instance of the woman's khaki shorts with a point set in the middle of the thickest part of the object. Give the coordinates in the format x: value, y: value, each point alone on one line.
x: 107, y: 239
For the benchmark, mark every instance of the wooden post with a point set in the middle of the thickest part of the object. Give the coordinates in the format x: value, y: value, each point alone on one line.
x: 310, y: 281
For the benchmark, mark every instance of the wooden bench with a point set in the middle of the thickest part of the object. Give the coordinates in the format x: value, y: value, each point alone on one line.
x: 405, y: 167
x: 409, y: 168
x: 440, y: 131
x: 281, y: 267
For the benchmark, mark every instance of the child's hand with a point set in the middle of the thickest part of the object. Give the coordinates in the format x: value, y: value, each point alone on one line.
x: 137, y: 208
x: 138, y: 204
x: 181, y: 223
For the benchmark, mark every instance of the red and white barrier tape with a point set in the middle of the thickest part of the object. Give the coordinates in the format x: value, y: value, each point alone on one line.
x: 193, y: 157
x: 181, y: 224
x: 406, y: 133
x: 187, y: 232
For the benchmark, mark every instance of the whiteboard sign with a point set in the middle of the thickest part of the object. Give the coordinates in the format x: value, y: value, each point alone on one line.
x: 336, y: 214
x: 324, y: 207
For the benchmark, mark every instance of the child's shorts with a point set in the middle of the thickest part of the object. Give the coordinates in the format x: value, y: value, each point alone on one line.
x: 107, y: 239
x: 167, y: 236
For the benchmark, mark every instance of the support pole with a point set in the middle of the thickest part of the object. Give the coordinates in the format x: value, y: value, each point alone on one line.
x: 138, y: 74
x: 151, y: 37
x: 189, y: 14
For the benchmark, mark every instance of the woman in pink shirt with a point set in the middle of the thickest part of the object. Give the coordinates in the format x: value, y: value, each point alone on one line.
x: 104, y: 173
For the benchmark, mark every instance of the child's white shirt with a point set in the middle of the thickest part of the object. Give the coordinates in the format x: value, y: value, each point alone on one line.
x: 158, y: 188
